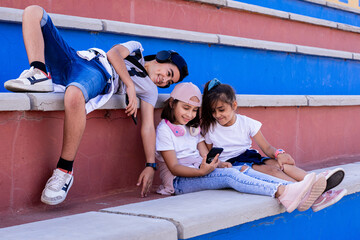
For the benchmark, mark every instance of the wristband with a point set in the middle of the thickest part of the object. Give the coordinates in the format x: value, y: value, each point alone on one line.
x: 153, y: 165
x: 278, y: 151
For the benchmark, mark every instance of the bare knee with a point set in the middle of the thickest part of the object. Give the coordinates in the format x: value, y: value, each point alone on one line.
x: 272, y: 162
x: 33, y: 12
x: 268, y: 169
x: 275, y: 170
x: 74, y: 99
x: 243, y: 168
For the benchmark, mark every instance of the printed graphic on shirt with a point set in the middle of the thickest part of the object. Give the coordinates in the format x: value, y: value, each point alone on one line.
x: 132, y: 72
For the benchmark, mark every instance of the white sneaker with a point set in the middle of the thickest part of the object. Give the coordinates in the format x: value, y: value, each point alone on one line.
x: 32, y: 80
x: 57, y: 187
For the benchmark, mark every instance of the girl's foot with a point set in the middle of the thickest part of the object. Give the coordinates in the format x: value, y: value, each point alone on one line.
x: 333, y: 177
x: 316, y: 190
x: 328, y: 198
x: 293, y: 193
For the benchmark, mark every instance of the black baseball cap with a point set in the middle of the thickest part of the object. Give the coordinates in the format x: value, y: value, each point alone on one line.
x: 170, y: 56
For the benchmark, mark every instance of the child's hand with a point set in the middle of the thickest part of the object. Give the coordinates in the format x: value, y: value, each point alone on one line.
x: 207, y: 168
x: 285, y: 158
x: 224, y: 165
x: 146, y: 178
x: 131, y: 108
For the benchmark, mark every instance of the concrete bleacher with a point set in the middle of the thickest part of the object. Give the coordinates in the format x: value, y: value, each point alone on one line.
x: 216, y: 214
x: 335, y: 59
x: 135, y: 219
x: 309, y: 80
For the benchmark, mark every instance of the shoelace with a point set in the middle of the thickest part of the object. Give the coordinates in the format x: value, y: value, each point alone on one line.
x: 57, y: 181
x: 27, y: 72
x: 330, y: 193
x: 325, y: 173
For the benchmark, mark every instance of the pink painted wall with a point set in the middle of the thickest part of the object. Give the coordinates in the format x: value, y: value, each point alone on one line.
x: 110, y: 157
x: 312, y: 135
x: 181, y: 14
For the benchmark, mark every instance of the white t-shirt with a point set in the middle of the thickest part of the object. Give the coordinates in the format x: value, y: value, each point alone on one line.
x: 235, y: 139
x: 185, y: 146
x: 145, y: 88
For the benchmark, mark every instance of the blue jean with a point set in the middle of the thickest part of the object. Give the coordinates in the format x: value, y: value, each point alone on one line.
x: 67, y: 68
x: 248, y: 181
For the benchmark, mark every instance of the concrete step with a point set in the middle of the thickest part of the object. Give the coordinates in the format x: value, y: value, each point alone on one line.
x: 111, y: 157
x: 214, y: 213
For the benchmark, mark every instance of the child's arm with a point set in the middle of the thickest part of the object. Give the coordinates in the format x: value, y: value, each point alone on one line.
x: 203, y: 150
x: 269, y: 150
x: 182, y: 171
x: 208, y: 147
x: 148, y: 139
x: 116, y: 56
x: 224, y: 164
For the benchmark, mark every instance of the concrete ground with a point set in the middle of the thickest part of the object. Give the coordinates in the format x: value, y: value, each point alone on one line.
x: 44, y: 212
x: 156, y: 217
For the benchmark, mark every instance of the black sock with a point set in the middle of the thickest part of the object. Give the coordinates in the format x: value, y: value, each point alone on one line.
x: 65, y: 164
x: 39, y: 65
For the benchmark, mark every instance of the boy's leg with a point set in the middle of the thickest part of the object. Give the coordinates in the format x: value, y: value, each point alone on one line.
x: 86, y: 81
x: 43, y: 42
x: 32, y: 34
x: 59, y: 184
x: 36, y: 78
x: 74, y: 102
x: 74, y: 122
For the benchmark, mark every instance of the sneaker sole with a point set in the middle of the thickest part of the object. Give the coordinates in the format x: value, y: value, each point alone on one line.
x: 335, y: 200
x: 297, y: 201
x: 56, y: 202
x: 316, y: 190
x: 28, y: 88
x: 335, y: 179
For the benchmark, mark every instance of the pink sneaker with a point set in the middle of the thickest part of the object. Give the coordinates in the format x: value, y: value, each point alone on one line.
x: 316, y: 190
x: 333, y: 177
x: 294, y: 192
x: 328, y: 198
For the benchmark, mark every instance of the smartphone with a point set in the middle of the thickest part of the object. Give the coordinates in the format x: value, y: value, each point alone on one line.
x: 132, y: 116
x: 210, y: 156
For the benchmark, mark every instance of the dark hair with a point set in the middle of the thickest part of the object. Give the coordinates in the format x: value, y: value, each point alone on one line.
x: 221, y: 92
x: 170, y: 56
x: 168, y: 113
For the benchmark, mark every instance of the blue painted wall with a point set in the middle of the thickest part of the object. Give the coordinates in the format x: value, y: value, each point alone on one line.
x: 250, y: 71
x: 309, y: 9
x: 340, y: 221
